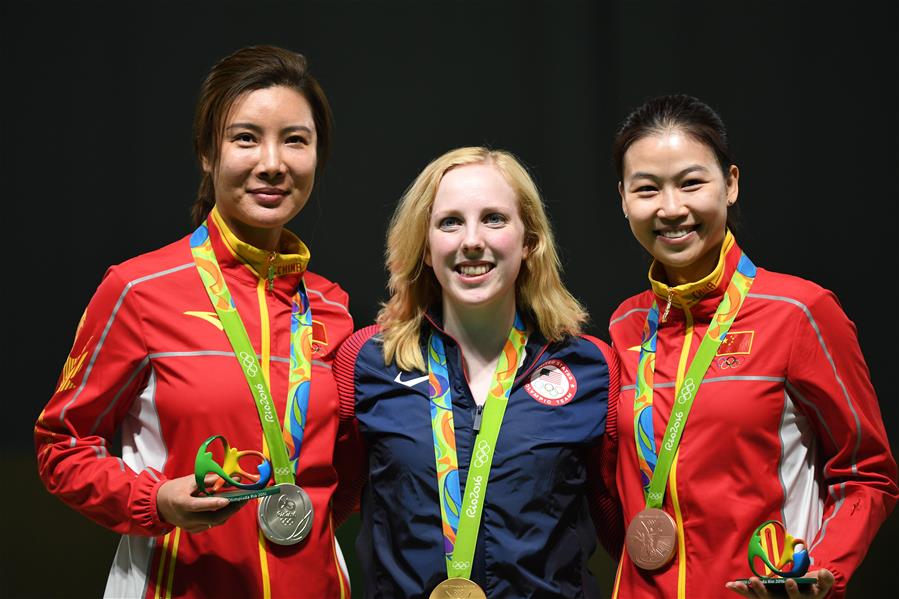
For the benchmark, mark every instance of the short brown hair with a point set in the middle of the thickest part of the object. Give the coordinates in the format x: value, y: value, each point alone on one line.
x: 249, y: 69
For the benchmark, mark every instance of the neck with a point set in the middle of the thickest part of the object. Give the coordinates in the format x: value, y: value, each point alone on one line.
x: 480, y: 331
x: 691, y: 273
x: 263, y: 238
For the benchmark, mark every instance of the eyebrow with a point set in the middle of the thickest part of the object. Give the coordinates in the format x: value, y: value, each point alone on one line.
x: 258, y: 129
x: 686, y: 171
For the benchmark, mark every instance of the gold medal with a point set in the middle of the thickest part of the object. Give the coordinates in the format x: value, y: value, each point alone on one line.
x: 650, y: 539
x: 457, y: 588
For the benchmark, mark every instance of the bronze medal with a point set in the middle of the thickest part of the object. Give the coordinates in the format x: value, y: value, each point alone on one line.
x: 650, y: 539
x: 457, y: 588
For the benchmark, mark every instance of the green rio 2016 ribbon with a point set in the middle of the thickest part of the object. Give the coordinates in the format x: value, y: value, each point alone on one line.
x: 461, y: 520
x: 284, y: 447
x: 654, y: 468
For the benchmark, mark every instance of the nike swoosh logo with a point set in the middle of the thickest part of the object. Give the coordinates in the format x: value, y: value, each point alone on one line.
x: 410, y: 382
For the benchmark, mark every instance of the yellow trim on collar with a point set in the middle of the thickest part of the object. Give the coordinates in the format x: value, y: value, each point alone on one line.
x: 293, y: 255
x: 689, y: 293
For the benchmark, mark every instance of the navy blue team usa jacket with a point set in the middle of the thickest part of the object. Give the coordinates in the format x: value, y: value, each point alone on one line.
x: 536, y: 533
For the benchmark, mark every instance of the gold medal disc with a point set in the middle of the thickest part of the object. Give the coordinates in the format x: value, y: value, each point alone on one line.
x: 457, y: 588
x: 650, y: 539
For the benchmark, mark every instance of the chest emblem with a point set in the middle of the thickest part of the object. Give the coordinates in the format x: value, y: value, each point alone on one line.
x: 552, y: 384
x: 736, y: 343
x: 319, y: 338
x: 734, y: 350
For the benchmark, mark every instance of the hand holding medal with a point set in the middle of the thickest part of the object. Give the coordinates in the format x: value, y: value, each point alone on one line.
x: 284, y: 520
x: 178, y: 504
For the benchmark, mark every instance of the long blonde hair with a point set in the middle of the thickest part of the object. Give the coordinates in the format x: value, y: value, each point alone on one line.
x: 539, y: 292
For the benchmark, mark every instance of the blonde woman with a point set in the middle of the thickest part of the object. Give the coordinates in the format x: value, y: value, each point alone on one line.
x: 477, y: 397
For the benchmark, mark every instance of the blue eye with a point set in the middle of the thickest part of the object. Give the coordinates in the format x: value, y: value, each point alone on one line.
x: 495, y: 218
x: 449, y: 222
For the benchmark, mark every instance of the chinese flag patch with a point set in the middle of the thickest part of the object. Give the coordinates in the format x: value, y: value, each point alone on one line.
x: 736, y: 342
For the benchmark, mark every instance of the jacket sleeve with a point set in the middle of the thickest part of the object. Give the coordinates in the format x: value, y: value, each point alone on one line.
x: 350, y: 457
x: 603, y: 499
x: 104, y: 372
x: 828, y: 375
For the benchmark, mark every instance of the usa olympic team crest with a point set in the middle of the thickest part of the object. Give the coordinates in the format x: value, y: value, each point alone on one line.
x: 552, y: 384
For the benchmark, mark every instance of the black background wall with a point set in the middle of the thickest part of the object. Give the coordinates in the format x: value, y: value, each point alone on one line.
x: 97, y: 107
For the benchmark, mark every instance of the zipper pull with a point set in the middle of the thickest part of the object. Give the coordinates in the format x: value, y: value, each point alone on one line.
x: 271, y: 271
x: 667, y: 306
x: 477, y: 419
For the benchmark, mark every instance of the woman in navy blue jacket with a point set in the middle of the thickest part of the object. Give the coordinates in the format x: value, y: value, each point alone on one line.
x: 477, y: 399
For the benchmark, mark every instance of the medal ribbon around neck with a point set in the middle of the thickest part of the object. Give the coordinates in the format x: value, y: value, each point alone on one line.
x: 461, y: 522
x: 654, y: 467
x: 283, y: 445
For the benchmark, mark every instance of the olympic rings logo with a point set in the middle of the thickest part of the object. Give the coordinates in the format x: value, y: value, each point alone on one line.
x: 284, y: 471
x: 686, y: 391
x: 655, y: 496
x: 461, y: 565
x: 729, y: 362
x: 549, y: 388
x: 481, y: 454
x: 249, y: 363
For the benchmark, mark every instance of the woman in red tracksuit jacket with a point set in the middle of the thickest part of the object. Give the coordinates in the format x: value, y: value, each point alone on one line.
x: 745, y: 397
x: 153, y: 358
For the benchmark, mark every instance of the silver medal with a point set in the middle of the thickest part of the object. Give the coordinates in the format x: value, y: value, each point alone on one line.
x: 285, y: 518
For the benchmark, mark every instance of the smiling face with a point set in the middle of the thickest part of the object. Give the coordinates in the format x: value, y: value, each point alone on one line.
x: 476, y: 238
x: 266, y: 164
x: 675, y: 197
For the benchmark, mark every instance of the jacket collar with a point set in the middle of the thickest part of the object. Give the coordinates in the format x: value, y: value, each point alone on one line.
x: 433, y: 321
x: 251, y: 264
x: 699, y: 296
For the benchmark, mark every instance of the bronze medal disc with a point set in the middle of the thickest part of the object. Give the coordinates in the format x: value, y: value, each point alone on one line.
x: 651, y: 538
x: 457, y: 588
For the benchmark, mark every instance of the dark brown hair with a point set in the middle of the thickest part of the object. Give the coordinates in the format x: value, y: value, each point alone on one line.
x: 249, y: 69
x: 685, y: 113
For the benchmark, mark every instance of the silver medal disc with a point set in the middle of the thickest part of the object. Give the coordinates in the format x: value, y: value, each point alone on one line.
x: 285, y: 518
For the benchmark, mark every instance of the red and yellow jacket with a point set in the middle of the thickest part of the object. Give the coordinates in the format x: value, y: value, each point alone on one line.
x: 151, y: 360
x: 786, y: 426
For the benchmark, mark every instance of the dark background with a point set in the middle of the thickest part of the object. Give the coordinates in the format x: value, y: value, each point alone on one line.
x: 97, y: 108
